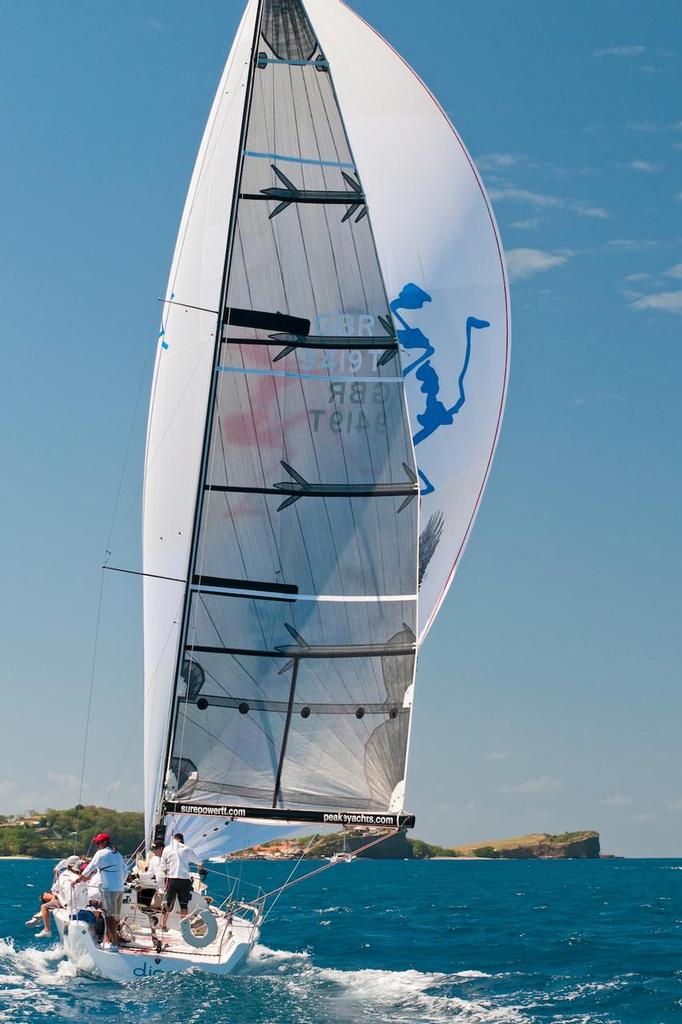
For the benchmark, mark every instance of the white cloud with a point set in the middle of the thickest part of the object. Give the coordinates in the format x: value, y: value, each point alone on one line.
x: 620, y: 51
x: 523, y: 263
x: 545, y: 784
x: 667, y: 302
x: 529, y: 222
x: 545, y: 202
x: 637, y: 277
x: 615, y: 801
x: 631, y: 243
x: 497, y: 755
x: 588, y: 210
x: 645, y: 166
x: 675, y: 271
x: 489, y: 160
x: 63, y: 779
x: 523, y: 195
x: 678, y: 197
x: 58, y: 789
x: 672, y: 805
x: 654, y: 126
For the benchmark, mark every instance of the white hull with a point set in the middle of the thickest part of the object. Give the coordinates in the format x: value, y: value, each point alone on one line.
x: 139, y: 958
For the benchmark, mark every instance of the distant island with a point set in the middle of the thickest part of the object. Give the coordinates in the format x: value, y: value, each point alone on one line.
x: 54, y: 833
x: 537, y: 846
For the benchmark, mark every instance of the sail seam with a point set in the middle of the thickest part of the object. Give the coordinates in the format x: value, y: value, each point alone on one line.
x: 298, y: 159
x: 308, y: 376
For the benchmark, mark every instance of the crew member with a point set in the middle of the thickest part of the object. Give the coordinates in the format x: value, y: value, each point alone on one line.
x: 175, y: 861
x: 111, y: 869
x: 151, y: 879
x: 63, y: 894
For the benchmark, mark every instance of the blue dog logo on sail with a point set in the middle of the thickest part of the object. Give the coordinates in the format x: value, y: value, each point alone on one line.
x: 436, y: 414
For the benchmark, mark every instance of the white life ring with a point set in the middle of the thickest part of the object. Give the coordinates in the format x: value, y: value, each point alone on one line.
x: 207, y: 937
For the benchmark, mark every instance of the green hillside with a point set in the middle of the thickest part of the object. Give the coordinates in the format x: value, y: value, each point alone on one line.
x: 54, y: 833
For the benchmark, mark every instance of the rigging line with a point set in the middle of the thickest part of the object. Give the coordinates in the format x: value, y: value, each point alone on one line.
x: 151, y: 351
x: 147, y: 693
x: 326, y: 867
x: 291, y: 874
x: 187, y: 305
x: 137, y: 572
x: 87, y: 717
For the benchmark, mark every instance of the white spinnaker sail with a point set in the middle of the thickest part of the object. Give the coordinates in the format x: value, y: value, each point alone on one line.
x: 181, y: 381
x: 444, y: 270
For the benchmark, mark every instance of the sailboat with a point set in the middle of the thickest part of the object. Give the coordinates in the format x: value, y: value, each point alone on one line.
x: 326, y: 400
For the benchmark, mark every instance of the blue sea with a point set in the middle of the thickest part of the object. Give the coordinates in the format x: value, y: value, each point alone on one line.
x: 397, y: 941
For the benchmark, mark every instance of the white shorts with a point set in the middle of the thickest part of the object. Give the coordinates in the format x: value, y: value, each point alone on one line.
x: 112, y: 902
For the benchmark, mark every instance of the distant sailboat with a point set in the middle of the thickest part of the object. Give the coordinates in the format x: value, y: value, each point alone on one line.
x: 327, y: 396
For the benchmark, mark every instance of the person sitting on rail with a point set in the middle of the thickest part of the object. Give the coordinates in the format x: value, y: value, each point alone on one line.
x: 64, y: 894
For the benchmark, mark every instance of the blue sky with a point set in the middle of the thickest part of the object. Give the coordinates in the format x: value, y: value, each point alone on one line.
x: 549, y: 690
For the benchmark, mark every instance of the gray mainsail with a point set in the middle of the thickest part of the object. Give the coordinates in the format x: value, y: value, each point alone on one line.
x: 293, y: 692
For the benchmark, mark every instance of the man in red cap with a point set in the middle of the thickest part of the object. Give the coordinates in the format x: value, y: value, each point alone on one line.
x: 111, y: 870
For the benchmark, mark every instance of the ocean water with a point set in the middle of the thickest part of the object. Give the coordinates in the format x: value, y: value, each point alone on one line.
x: 397, y: 941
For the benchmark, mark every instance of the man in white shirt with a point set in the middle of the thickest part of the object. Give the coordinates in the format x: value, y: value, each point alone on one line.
x: 154, y: 869
x: 151, y: 878
x: 111, y: 869
x: 175, y: 861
